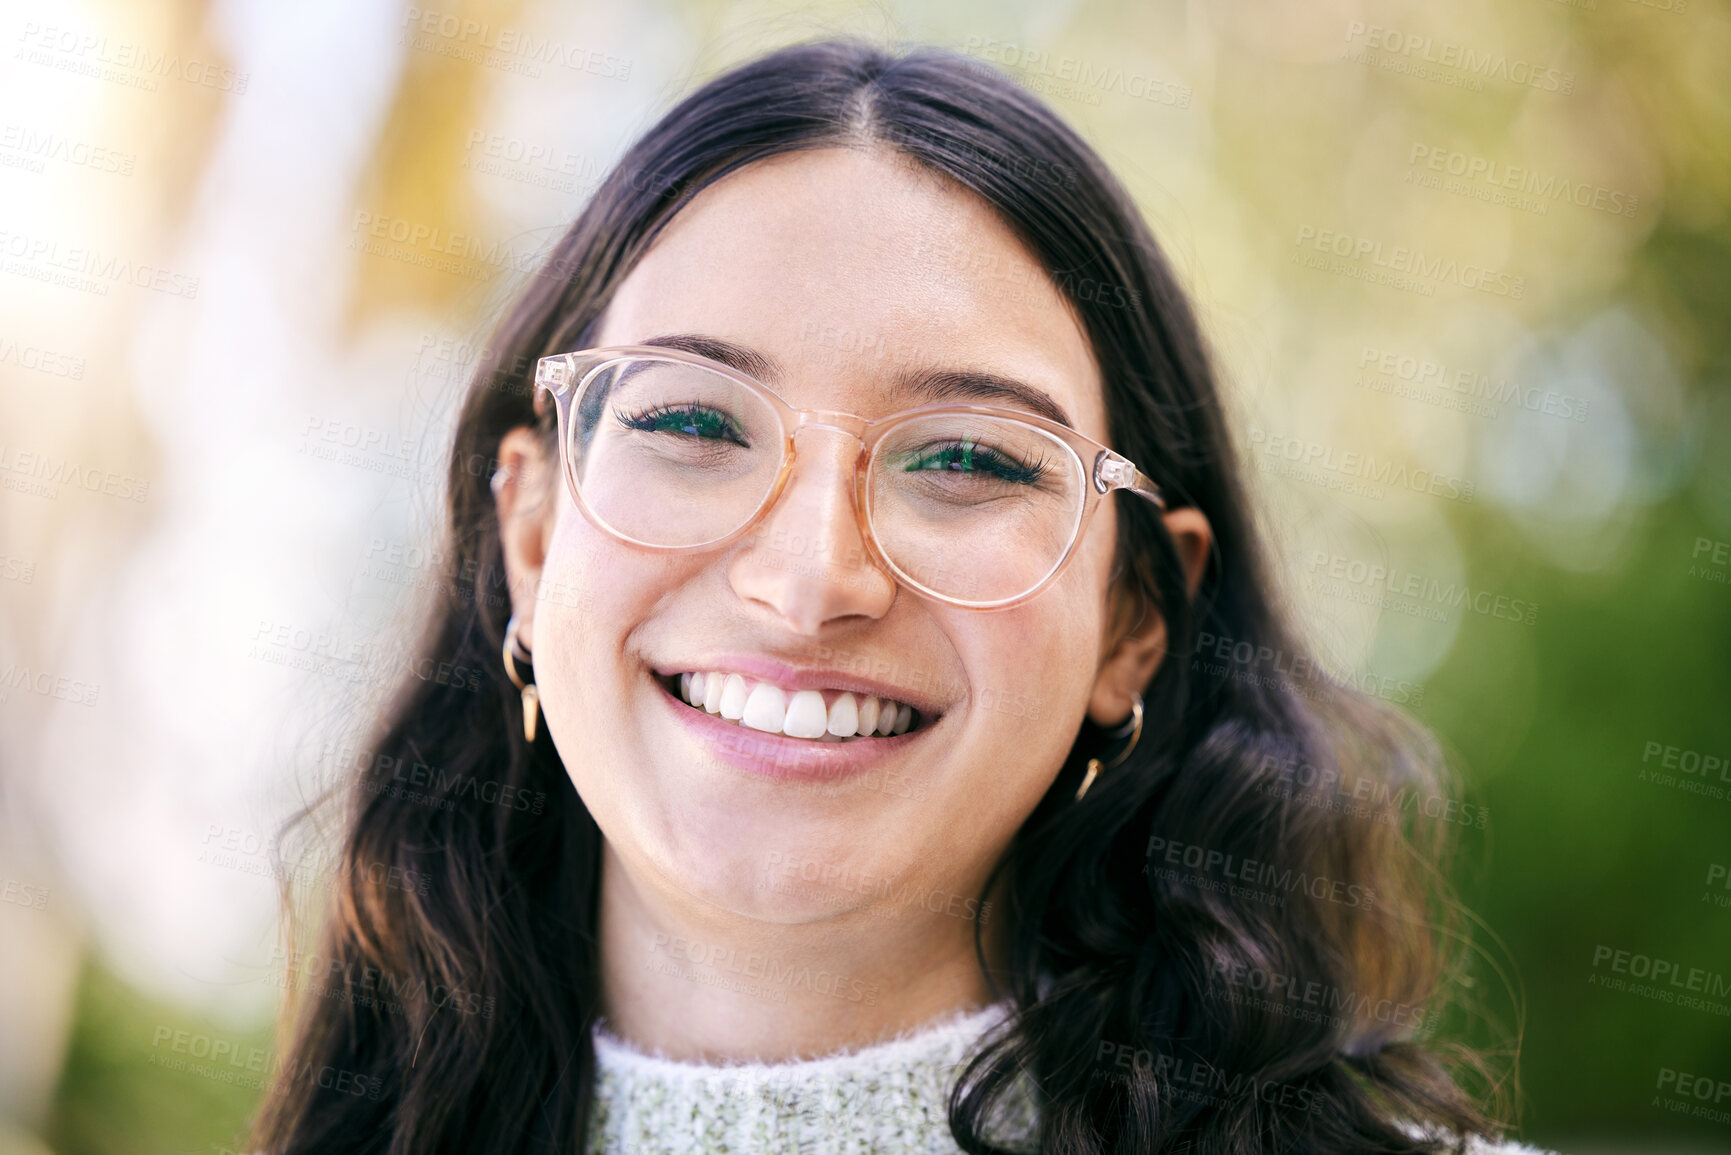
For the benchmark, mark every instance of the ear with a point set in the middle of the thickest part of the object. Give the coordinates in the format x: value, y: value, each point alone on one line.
x: 525, y: 504
x: 1135, y: 645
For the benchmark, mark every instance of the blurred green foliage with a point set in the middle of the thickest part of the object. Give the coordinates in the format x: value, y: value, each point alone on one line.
x: 147, y: 1078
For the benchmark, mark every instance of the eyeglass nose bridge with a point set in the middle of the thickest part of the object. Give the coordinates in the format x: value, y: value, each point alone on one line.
x: 848, y: 423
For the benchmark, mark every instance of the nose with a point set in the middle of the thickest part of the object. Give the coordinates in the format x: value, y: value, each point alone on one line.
x: 807, y: 561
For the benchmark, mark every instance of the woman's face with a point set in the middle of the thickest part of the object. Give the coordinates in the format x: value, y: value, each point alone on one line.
x: 843, y: 269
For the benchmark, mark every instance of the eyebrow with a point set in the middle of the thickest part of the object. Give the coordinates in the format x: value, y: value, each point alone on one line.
x: 933, y: 385
x: 748, y: 361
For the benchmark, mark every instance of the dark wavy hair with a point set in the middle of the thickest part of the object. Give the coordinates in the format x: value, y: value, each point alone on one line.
x: 1239, y: 940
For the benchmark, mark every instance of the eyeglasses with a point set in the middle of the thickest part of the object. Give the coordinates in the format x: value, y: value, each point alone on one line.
x: 972, y: 505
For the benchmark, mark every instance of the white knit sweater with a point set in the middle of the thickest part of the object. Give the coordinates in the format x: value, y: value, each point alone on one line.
x: 887, y: 1099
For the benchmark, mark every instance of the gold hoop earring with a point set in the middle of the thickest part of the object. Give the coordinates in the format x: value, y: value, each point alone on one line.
x: 514, y: 653
x: 1132, y: 728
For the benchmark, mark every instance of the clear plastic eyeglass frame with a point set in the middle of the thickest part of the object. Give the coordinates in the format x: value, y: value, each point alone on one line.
x: 564, y: 376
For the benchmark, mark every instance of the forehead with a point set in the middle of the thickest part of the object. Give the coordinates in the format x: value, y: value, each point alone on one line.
x: 847, y: 266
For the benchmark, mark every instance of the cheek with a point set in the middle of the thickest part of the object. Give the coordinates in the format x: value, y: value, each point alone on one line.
x: 1030, y: 678
x: 584, y: 606
x: 594, y: 592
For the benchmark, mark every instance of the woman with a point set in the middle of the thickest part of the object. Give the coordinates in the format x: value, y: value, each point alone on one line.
x: 854, y: 769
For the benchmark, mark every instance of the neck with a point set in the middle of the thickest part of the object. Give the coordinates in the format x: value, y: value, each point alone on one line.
x: 696, y: 983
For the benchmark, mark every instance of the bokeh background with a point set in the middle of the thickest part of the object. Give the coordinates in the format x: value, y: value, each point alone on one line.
x: 1466, y: 266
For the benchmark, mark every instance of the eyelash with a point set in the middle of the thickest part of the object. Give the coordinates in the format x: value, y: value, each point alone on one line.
x: 1006, y: 467
x: 647, y: 420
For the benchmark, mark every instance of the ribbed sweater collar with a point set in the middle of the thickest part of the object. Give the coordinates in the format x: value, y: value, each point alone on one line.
x: 889, y: 1097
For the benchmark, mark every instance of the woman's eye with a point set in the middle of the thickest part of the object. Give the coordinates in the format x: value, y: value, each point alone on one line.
x: 697, y: 421
x: 972, y: 457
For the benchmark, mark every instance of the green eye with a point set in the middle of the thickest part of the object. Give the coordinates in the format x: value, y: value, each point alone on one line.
x: 967, y: 456
x: 697, y: 421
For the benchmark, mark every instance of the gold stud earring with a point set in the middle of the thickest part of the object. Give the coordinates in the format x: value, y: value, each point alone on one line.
x: 514, y: 653
x: 1132, y: 728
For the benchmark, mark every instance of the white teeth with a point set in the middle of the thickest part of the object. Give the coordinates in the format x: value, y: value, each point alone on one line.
x: 844, y: 717
x: 765, y: 708
x: 798, y: 714
x: 806, y: 716
x: 733, y: 698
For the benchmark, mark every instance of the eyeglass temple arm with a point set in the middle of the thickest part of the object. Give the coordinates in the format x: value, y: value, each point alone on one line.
x: 1114, y: 472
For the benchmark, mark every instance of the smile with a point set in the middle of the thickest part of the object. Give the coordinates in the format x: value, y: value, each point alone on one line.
x: 815, y: 715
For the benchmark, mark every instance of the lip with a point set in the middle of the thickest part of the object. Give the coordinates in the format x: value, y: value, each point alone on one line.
x: 795, y: 677
x: 778, y: 756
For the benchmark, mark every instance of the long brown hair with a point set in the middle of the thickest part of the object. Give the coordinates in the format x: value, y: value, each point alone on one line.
x: 1239, y: 940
